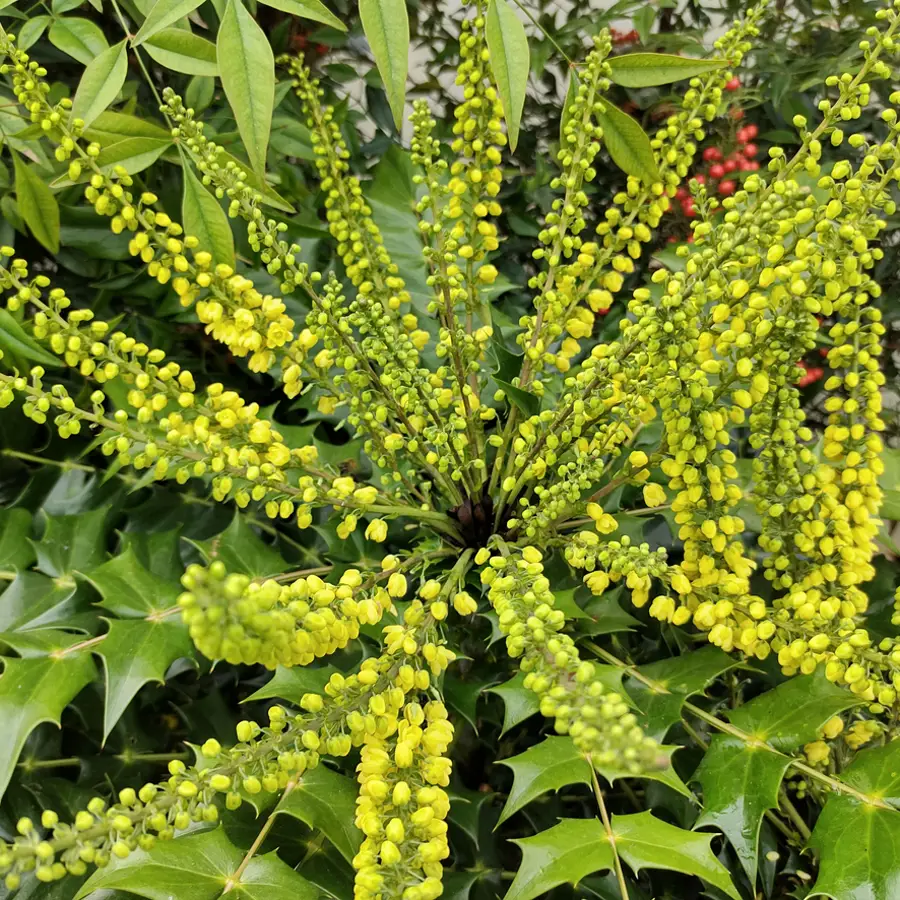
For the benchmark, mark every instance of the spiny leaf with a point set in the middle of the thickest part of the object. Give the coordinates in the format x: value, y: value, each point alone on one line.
x: 508, y: 48
x: 268, y: 878
x: 162, y: 14
x: 204, y: 218
x: 308, y: 9
x: 129, y: 590
x: 628, y: 144
x: 100, y: 84
x: 35, y: 601
x: 291, y: 684
x: 32, y: 691
x: 638, y: 70
x: 247, y: 71
x: 37, y: 205
x: 15, y: 548
x: 519, y: 702
x: 386, y: 25
x: 72, y: 543
x: 241, y: 549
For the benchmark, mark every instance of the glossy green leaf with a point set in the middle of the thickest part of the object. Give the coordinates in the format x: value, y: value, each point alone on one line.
x: 680, y: 678
x: 100, y: 84
x: 80, y: 38
x: 135, y: 652
x: 665, y: 775
x: 182, y: 51
x: 524, y: 401
x: 194, y: 867
x: 37, y: 205
x: 31, y: 31
x: 72, y: 543
x: 386, y: 25
x: 32, y: 691
x: 565, y: 114
x: 638, y: 70
x: 308, y: 9
x: 200, y: 92
x: 291, y: 684
x: 16, y: 551
x: 859, y: 843
x: 129, y: 590
x: 508, y: 47
x: 241, y: 549
x: 740, y: 781
x: 270, y: 196
x: 628, y: 144
x: 247, y: 71
x: 159, y: 552
x: 604, y: 615
x: 203, y: 217
x: 162, y: 14
x: 326, y: 800
x: 15, y: 341
x: 268, y: 878
x: 548, y: 766
x: 133, y: 154
x: 110, y: 127
x: 519, y: 703
x: 34, y: 601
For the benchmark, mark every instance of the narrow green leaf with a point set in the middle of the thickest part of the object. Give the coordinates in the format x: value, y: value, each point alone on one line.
x: 638, y: 70
x: 31, y: 31
x: 110, y: 127
x: 134, y: 653
x: 162, y: 14
x: 181, y: 51
x: 308, y: 9
x: 16, y: 551
x: 80, y: 38
x: 508, y: 47
x: 524, y: 401
x: 32, y: 691
x: 566, y: 114
x: 16, y: 341
x: 133, y: 154
x: 270, y: 196
x: 37, y: 205
x: 386, y: 25
x: 204, y: 218
x: 247, y: 70
x: 326, y: 800
x: 129, y: 590
x: 200, y: 92
x: 101, y: 82
x: 628, y: 144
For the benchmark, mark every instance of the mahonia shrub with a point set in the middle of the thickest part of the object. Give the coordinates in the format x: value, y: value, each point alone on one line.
x: 495, y: 474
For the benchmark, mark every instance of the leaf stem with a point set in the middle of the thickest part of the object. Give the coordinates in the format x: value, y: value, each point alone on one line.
x: 607, y: 826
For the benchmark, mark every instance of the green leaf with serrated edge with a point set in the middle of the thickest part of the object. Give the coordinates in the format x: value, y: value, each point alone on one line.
x: 563, y: 854
x: 519, y: 703
x: 182, y: 51
x: 162, y: 14
x: 386, y: 26
x: 16, y: 551
x: 548, y: 766
x: 194, y: 867
x: 604, y: 615
x: 32, y: 691
x: 16, y: 341
x: 681, y: 677
x: 859, y: 843
x: 458, y: 885
x: 37, y: 205
x: 247, y: 72
x: 100, y: 83
x: 508, y: 47
x: 268, y: 878
x: 326, y: 800
x: 80, y: 38
x: 465, y: 809
x: 129, y: 590
x: 135, y: 652
x: 291, y: 684
x: 565, y: 602
x: 665, y: 775
x: 638, y: 70
x: 34, y: 601
x: 241, y: 549
x: 72, y: 543
x: 308, y: 9
x: 740, y: 781
x: 628, y: 144
x: 157, y: 551
x: 204, y: 218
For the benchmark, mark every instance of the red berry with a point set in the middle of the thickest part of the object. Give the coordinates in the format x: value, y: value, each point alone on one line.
x: 700, y: 179
x: 737, y: 114
x: 745, y: 165
x: 687, y: 207
x: 752, y: 131
x: 727, y: 188
x: 671, y: 239
x: 741, y: 136
x: 716, y: 171
x: 753, y: 166
x: 730, y: 165
x: 750, y: 150
x: 690, y: 239
x: 681, y: 193
x: 733, y: 84
x: 712, y: 154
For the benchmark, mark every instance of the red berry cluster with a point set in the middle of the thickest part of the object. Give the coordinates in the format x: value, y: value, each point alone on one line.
x: 811, y: 374
x: 623, y: 37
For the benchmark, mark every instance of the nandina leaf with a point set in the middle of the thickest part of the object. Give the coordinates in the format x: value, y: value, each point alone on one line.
x: 509, y: 59
x: 181, y: 51
x: 80, y: 38
x: 162, y: 14
x: 308, y: 9
x: 386, y: 26
x: 628, y: 144
x: 101, y: 82
x: 204, y: 218
x: 37, y: 205
x: 637, y: 70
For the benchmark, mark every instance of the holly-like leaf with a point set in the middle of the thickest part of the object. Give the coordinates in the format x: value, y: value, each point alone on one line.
x: 16, y: 551
x: 194, y: 867
x: 638, y: 70
x: 72, y: 543
x: 386, y: 25
x: 37, y: 206
x: 628, y: 144
x: 291, y: 684
x: 548, y: 766
x: 35, y: 690
x: 678, y: 679
x: 604, y: 615
x: 35, y: 601
x: 741, y: 780
x: 182, y: 51
x: 508, y: 48
x: 859, y: 843
x: 101, y: 82
x: 519, y: 703
x: 204, y: 218
x: 80, y: 38
x: 162, y: 14
x: 268, y: 878
x: 135, y: 652
x: 129, y: 590
x: 665, y: 775
x: 157, y: 551
x: 247, y: 71
x: 241, y: 549
x: 326, y: 800
x: 308, y: 9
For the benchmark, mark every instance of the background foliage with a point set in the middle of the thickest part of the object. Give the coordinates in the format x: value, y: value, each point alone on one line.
x: 93, y: 557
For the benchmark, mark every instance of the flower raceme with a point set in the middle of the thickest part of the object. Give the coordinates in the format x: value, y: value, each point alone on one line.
x: 707, y: 349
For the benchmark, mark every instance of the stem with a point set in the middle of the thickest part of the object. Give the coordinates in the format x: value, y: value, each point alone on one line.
x: 799, y: 822
x: 66, y: 464
x: 611, y: 837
